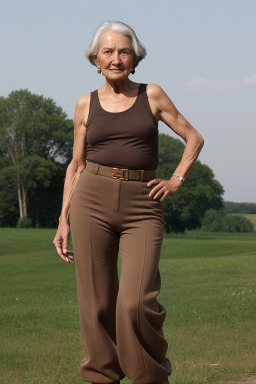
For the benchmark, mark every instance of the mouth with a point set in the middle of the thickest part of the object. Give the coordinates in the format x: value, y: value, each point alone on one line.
x: 116, y: 70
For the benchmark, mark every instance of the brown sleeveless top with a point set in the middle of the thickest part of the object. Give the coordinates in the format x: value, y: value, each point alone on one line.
x: 127, y: 139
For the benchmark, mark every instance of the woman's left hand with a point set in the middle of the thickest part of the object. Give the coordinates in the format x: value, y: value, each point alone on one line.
x: 164, y: 187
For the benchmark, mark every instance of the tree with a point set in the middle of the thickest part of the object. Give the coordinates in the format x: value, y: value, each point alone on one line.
x: 200, y: 191
x: 35, y: 136
x: 9, y: 208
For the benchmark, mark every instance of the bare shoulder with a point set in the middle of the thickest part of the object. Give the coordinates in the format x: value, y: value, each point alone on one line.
x: 155, y: 91
x: 83, y: 101
x: 82, y: 109
x: 157, y: 98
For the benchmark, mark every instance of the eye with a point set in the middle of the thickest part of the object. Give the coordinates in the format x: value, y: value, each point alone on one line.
x: 107, y: 51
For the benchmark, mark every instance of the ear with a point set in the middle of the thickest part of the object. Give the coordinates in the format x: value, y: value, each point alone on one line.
x: 96, y: 61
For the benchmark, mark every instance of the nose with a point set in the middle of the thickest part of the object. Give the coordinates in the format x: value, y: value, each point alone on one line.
x: 116, y: 59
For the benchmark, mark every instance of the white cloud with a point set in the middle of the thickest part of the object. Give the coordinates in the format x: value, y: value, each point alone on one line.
x: 201, y: 83
x: 227, y: 85
x: 250, y: 80
x: 198, y: 83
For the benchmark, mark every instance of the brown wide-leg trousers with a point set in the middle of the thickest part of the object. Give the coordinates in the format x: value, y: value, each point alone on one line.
x: 121, y: 322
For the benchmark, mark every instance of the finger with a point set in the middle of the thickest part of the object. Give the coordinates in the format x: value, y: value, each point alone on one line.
x: 62, y: 256
x: 65, y: 244
x: 70, y: 255
x: 164, y: 196
x: 162, y: 190
x: 156, y: 188
x: 159, y: 194
x: 152, y: 182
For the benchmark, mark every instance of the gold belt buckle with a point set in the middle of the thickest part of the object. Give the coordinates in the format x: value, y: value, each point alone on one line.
x: 120, y: 173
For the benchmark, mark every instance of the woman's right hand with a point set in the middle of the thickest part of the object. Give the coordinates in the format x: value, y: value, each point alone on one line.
x: 61, y: 241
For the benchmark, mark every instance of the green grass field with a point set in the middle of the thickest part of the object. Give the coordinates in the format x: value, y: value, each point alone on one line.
x: 208, y: 289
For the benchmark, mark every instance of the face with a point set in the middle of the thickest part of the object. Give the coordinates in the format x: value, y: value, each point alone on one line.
x: 115, y: 56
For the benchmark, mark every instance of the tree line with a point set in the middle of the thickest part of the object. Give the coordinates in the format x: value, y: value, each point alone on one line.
x: 36, y: 142
x: 245, y: 208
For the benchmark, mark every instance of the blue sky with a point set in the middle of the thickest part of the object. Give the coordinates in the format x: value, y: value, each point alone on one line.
x: 202, y: 53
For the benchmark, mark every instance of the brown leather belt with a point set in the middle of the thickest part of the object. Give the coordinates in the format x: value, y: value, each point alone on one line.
x: 120, y: 173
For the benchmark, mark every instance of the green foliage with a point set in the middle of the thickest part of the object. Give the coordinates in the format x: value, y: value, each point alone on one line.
x: 25, y: 222
x: 44, y: 201
x: 35, y: 148
x: 9, y: 209
x: 33, y: 125
x: 250, y: 216
x: 246, y: 208
x: 219, y: 221
x: 236, y: 223
x: 200, y: 191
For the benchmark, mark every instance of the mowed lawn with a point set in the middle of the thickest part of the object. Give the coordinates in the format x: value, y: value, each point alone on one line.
x: 208, y: 290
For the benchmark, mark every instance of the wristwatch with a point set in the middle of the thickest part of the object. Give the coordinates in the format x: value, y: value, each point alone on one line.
x: 179, y: 177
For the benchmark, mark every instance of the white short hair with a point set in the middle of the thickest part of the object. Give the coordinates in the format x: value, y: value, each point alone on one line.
x: 119, y: 27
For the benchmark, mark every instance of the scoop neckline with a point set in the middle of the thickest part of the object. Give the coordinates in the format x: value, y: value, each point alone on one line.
x: 128, y: 109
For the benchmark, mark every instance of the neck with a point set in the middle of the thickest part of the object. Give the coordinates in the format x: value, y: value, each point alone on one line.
x: 118, y: 86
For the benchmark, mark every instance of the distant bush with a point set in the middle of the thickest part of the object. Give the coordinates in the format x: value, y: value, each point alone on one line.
x: 212, y: 220
x: 219, y: 221
x: 25, y: 222
x: 236, y: 223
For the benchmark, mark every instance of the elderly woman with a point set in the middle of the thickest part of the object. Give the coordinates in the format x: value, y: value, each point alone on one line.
x: 113, y: 201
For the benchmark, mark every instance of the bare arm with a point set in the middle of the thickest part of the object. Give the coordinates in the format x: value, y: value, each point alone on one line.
x: 74, y: 169
x: 77, y: 163
x: 164, y: 110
